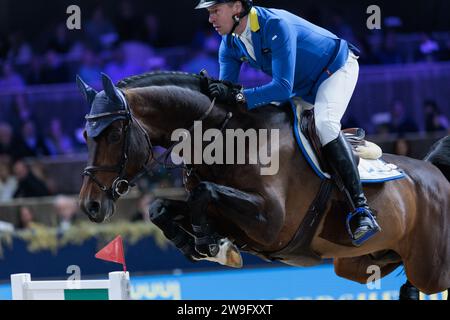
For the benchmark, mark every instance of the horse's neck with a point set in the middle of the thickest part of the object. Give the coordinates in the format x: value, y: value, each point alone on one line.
x: 162, y: 110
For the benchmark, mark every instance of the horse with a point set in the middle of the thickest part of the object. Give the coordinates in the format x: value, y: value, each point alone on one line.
x: 259, y: 213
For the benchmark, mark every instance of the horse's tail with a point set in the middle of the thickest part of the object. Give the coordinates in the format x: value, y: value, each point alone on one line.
x: 439, y: 155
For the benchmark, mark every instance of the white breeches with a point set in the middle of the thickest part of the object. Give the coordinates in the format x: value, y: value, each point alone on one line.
x: 333, y: 97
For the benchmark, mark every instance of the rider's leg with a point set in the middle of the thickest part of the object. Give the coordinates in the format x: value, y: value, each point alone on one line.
x: 332, y: 100
x: 341, y: 159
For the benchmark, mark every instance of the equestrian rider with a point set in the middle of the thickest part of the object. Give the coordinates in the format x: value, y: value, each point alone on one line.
x: 305, y: 61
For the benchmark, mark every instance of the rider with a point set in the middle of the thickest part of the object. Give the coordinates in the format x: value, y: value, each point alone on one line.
x: 304, y: 61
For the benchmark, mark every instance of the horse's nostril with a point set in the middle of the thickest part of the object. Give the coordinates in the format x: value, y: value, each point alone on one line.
x: 93, y: 207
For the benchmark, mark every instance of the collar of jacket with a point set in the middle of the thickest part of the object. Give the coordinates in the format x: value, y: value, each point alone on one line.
x: 254, y: 23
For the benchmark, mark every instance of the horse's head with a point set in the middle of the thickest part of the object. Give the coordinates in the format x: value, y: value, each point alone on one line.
x: 119, y: 150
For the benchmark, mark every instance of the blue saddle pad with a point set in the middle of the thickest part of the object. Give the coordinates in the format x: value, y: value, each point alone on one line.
x: 370, y: 171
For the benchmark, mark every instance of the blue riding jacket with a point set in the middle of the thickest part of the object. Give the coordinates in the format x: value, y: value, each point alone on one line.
x: 297, y: 54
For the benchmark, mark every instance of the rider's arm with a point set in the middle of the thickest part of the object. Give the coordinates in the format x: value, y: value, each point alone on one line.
x: 230, y: 65
x: 283, y: 44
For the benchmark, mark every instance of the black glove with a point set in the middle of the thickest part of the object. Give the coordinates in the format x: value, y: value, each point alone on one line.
x: 224, y: 92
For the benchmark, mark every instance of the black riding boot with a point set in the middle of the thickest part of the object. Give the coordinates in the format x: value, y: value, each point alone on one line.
x: 361, y: 223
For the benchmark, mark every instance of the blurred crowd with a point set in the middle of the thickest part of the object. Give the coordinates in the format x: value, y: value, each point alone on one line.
x: 129, y: 42
x: 398, y: 121
x: 123, y: 45
x: 67, y: 214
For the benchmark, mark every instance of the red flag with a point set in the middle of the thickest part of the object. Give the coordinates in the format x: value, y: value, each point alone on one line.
x: 113, y: 252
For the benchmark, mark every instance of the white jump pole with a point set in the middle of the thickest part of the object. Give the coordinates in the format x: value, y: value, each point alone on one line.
x: 117, y: 287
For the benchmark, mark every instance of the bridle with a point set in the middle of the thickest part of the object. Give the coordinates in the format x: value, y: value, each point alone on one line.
x: 120, y: 185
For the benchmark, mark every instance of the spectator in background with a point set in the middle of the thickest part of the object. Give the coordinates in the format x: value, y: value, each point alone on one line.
x: 89, y: 70
x: 20, y: 51
x: 10, y: 79
x: 142, y: 57
x: 151, y: 32
x: 31, y: 143
x: 57, y: 141
x: 20, y: 113
x: 25, y: 218
x: 428, y: 49
x: 435, y: 120
x: 28, y: 184
x: 33, y: 74
x: 340, y: 27
x: 391, y: 53
x: 205, y: 57
x: 119, y: 67
x: 143, y: 205
x: 100, y: 32
x: 402, y: 147
x: 66, y: 209
x: 60, y: 41
x: 374, y: 47
x: 7, y: 145
x: 129, y: 24
x: 54, y: 70
x: 8, y: 183
x: 7, y: 227
x: 401, y: 123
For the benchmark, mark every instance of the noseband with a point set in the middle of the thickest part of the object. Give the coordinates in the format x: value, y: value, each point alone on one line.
x: 121, y: 186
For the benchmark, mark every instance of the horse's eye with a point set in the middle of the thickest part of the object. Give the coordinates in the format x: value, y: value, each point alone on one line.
x: 114, y: 137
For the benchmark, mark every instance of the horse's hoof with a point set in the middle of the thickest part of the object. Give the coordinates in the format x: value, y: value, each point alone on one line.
x: 232, y: 254
x: 228, y: 254
x: 409, y: 292
x: 234, y: 259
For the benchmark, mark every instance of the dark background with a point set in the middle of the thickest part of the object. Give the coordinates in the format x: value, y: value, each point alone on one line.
x: 179, y: 21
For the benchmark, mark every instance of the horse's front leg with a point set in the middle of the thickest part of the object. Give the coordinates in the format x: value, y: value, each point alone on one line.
x: 169, y: 216
x: 245, y: 210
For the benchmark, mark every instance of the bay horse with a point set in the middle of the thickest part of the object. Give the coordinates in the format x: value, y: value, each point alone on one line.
x: 260, y: 213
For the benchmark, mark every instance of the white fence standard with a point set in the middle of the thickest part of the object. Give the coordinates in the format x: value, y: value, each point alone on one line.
x: 117, y: 287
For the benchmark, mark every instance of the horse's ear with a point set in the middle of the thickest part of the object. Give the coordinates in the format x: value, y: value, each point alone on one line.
x: 110, y: 89
x: 87, y: 92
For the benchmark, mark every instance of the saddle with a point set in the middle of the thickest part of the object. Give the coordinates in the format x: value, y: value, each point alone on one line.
x: 354, y: 136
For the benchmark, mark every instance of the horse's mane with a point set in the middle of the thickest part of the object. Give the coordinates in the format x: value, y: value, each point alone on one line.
x: 179, y: 86
x: 178, y: 83
x: 163, y: 78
